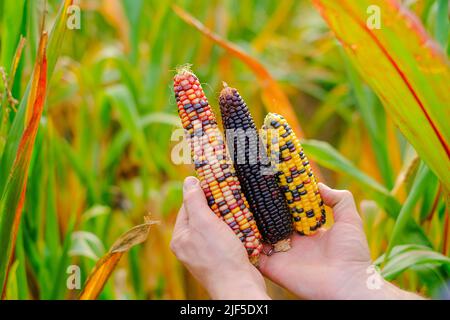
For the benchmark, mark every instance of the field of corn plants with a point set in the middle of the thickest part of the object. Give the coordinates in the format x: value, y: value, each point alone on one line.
x: 88, y: 186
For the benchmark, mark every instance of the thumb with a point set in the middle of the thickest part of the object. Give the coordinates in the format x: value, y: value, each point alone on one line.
x: 194, y: 202
x: 342, y: 203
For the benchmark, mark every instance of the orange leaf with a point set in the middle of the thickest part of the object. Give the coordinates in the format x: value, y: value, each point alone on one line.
x: 97, y: 280
x: 106, y: 265
x: 12, y: 200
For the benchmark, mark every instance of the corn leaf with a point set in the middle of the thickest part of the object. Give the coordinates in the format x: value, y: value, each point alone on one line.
x: 85, y: 176
x: 57, y: 35
x: 13, y: 197
x: 13, y: 18
x: 105, y: 266
x: 12, y: 292
x: 376, y: 127
x: 5, y: 102
x: 133, y: 9
x: 442, y: 23
x: 59, y: 284
x: 119, y: 143
x: 404, y: 257
x: 22, y: 283
x: 123, y: 101
x: 86, y: 244
x: 406, y: 69
x: 406, y: 213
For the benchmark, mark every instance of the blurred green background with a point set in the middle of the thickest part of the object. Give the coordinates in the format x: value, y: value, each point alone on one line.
x: 102, y: 157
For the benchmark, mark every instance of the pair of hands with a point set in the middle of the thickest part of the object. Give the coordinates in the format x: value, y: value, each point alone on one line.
x: 332, y: 264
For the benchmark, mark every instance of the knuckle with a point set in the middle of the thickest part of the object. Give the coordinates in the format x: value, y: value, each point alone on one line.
x: 175, y: 244
x: 347, y: 195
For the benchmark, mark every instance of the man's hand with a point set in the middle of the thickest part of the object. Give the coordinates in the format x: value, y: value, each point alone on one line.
x: 332, y: 264
x: 211, y: 251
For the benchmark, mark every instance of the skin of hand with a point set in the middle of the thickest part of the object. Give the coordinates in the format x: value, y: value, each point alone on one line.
x: 211, y: 251
x: 334, y: 263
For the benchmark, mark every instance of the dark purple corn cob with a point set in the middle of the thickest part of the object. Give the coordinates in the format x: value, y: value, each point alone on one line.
x: 254, y: 171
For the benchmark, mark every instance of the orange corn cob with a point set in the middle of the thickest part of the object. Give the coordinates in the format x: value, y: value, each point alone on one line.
x: 212, y: 162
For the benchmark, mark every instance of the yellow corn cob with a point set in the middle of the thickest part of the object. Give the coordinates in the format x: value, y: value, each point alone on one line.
x: 212, y: 162
x: 294, y: 174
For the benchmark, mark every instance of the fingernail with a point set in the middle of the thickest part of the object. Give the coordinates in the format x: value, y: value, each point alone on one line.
x: 190, y: 183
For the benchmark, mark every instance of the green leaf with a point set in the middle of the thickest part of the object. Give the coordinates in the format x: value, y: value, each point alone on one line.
x: 22, y: 283
x: 406, y: 213
x: 84, y: 175
x: 122, y: 139
x: 13, y: 195
x: 95, y: 211
x: 442, y: 23
x: 407, y: 256
x: 406, y: 69
x: 86, y: 244
x: 328, y: 157
x: 123, y: 101
x: 12, y: 291
x: 368, y: 107
x: 12, y: 23
x: 59, y: 284
x: 57, y: 35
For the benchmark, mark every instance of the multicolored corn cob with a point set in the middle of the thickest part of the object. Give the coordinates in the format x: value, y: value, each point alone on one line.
x: 254, y: 171
x: 212, y: 163
x: 294, y: 175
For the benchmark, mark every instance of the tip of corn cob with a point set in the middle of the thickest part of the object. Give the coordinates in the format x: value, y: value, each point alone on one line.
x: 271, y: 119
x: 184, y: 68
x: 226, y: 89
x: 227, y: 109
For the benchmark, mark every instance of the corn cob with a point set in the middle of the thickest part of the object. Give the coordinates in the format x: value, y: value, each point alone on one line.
x: 212, y: 163
x: 294, y: 175
x: 254, y: 171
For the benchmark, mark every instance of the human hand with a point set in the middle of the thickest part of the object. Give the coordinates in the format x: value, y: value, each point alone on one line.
x: 211, y: 251
x: 332, y: 264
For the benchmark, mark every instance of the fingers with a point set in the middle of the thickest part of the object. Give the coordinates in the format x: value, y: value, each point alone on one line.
x: 263, y: 263
x: 342, y: 202
x: 194, y: 202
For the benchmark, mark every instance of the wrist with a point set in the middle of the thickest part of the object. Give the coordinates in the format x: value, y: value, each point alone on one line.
x: 241, y: 291
x: 239, y: 285
x: 367, y: 284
